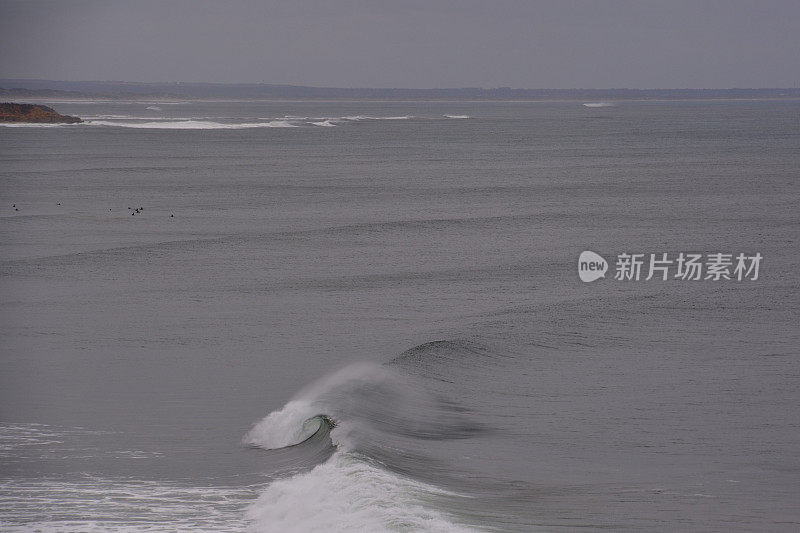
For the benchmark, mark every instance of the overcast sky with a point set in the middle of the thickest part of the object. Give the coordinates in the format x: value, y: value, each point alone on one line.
x: 398, y: 43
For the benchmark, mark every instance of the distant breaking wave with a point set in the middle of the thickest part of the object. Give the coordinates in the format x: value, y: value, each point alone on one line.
x: 598, y: 104
x: 192, y: 124
x: 457, y: 116
x: 366, y: 117
x: 213, y: 123
x: 117, y: 117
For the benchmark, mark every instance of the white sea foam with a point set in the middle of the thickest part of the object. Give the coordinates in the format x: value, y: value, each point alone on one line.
x: 16, y: 436
x: 203, y: 123
x: 153, y: 108
x: 333, y: 121
x: 34, y: 125
x: 347, y: 493
x: 457, y: 116
x: 101, y: 504
x: 90, y: 118
x: 355, y: 118
x: 192, y: 124
x: 598, y: 104
x: 111, y: 117
x: 62, y: 101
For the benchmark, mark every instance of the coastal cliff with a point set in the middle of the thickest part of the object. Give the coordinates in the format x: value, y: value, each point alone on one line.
x: 33, y: 113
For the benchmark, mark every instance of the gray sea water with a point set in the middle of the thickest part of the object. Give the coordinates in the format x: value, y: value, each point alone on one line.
x: 367, y: 316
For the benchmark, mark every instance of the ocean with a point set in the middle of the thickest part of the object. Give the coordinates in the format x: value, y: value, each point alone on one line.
x: 299, y: 316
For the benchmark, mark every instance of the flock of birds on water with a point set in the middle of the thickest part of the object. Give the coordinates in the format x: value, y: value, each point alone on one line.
x: 134, y: 211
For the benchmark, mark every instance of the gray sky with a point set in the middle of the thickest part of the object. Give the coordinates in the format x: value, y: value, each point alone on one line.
x: 397, y: 43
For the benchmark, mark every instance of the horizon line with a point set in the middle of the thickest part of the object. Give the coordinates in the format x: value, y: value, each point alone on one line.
x: 452, y: 88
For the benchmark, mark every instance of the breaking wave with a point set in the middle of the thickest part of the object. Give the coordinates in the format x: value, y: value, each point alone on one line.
x: 347, y: 453
x: 598, y: 104
x: 363, y: 410
x: 457, y: 116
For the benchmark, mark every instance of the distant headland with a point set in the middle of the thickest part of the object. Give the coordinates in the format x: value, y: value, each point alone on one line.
x: 10, y: 112
x: 137, y: 91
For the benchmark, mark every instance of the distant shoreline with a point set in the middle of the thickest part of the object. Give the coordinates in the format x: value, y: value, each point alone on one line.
x: 166, y: 101
x: 81, y: 91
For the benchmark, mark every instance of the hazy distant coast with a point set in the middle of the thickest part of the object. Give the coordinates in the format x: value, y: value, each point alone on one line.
x: 117, y: 90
